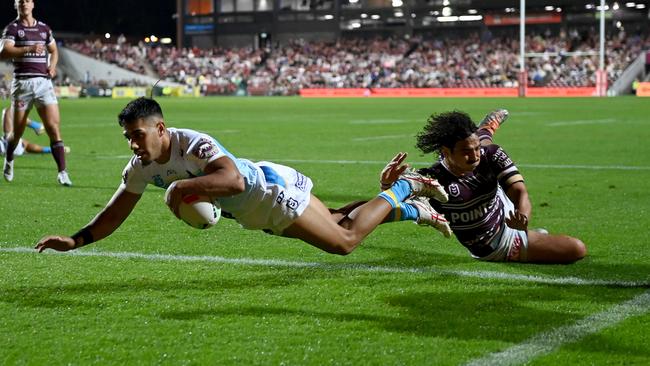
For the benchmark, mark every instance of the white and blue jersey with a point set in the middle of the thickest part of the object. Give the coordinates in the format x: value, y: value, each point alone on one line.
x: 274, y: 195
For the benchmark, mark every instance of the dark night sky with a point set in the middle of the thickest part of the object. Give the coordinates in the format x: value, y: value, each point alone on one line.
x: 133, y: 18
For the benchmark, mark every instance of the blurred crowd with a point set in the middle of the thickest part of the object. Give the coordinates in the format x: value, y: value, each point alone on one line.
x: 566, y: 59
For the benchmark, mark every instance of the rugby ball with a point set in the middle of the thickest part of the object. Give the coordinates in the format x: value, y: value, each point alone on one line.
x: 200, y: 212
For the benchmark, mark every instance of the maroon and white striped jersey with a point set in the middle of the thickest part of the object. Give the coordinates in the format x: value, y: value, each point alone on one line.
x: 474, y: 211
x: 32, y: 64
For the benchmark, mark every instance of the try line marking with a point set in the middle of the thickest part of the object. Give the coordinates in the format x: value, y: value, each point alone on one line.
x: 419, y: 163
x: 575, y: 281
x: 546, y: 342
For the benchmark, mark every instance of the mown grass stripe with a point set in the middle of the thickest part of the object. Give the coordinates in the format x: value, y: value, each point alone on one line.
x: 575, y: 281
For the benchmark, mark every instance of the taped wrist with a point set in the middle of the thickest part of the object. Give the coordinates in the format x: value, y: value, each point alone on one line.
x: 85, y: 235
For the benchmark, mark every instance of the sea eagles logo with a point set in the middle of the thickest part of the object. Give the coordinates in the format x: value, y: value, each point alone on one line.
x: 205, y: 149
x: 454, y: 190
x: 21, y: 33
x: 43, y: 35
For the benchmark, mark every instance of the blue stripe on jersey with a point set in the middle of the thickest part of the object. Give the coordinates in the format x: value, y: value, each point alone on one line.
x: 272, y: 176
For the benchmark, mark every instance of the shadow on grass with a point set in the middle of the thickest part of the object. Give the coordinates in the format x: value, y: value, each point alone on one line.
x: 484, y: 315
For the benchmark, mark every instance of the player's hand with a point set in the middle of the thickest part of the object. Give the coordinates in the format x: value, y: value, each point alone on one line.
x: 60, y: 243
x: 517, y: 220
x: 393, y: 170
x: 51, y: 71
x: 173, y: 198
x: 37, y: 49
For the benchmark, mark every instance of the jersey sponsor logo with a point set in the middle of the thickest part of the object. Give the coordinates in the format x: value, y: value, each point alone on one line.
x: 454, y: 190
x: 125, y: 177
x: 301, y: 182
x: 501, y: 158
x: 292, y: 203
x: 471, y: 215
x: 280, y: 198
x: 205, y: 149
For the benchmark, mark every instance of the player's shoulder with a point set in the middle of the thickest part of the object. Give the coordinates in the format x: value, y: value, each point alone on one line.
x: 431, y: 171
x: 12, y: 26
x: 494, y: 151
x: 41, y: 24
x: 134, y: 164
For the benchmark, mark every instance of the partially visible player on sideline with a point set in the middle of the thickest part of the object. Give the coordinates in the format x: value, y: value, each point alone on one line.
x: 29, y: 43
x: 488, y: 208
x: 259, y: 196
x: 24, y: 145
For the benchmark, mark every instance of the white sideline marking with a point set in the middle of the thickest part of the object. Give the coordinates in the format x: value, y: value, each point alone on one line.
x: 420, y: 163
x: 582, y: 122
x: 544, y: 343
x: 342, y: 266
x: 375, y: 138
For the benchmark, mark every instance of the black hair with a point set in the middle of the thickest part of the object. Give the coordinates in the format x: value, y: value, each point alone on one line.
x: 139, y: 109
x: 445, y: 129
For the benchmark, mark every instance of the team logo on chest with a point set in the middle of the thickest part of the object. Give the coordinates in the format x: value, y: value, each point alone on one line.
x: 205, y: 149
x: 43, y: 35
x: 454, y: 190
x: 21, y: 33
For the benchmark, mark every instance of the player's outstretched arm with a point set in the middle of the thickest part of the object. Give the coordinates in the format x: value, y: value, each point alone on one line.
x: 103, y: 225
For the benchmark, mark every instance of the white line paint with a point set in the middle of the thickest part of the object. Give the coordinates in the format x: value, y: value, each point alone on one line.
x: 582, y: 122
x: 342, y: 266
x: 420, y: 163
x: 546, y: 342
x: 376, y: 138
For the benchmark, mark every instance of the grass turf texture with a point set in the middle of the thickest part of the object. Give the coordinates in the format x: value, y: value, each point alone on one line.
x: 88, y: 309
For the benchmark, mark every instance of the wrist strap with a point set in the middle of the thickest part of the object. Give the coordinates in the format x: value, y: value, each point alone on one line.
x: 85, y: 235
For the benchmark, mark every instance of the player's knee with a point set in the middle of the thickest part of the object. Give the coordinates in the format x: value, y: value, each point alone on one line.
x: 344, y: 246
x: 340, y: 250
x: 579, y: 249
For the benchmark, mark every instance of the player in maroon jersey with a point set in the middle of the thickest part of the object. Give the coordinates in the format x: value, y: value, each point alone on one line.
x: 31, y: 45
x: 488, y: 208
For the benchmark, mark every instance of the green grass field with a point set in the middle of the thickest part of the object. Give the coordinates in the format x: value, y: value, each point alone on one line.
x: 160, y: 292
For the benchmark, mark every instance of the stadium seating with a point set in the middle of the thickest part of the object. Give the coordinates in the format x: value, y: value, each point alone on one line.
x: 568, y: 59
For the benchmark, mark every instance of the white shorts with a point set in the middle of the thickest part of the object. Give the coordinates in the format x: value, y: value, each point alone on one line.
x: 32, y: 91
x: 510, y: 245
x: 282, y: 196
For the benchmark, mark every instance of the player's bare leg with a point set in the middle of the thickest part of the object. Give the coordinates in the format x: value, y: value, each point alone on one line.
x: 490, y: 124
x: 51, y: 120
x: 545, y: 248
x: 13, y: 139
x: 318, y: 227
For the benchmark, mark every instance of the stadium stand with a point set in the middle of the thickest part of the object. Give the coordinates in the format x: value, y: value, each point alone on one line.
x: 568, y: 59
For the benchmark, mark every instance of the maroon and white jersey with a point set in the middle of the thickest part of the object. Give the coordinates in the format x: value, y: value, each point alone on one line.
x: 32, y: 64
x: 474, y: 210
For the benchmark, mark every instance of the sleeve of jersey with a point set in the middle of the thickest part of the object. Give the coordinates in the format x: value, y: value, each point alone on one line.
x: 504, y: 167
x: 132, y: 179
x: 50, y: 37
x: 8, y: 34
x: 203, y: 149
